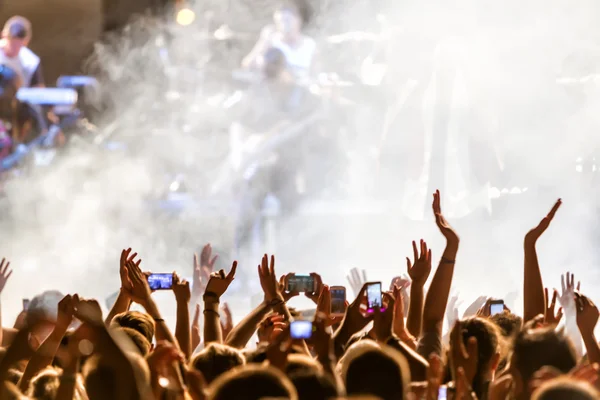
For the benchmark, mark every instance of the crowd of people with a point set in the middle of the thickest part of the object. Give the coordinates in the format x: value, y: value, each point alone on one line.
x: 63, y: 347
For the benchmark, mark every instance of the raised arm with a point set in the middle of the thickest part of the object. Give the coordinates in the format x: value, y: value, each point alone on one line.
x: 181, y: 290
x: 216, y: 287
x: 5, y: 273
x: 533, y: 287
x: 45, y: 353
x: 587, y: 318
x: 123, y: 301
x: 204, y: 266
x: 437, y: 296
x: 418, y: 272
x: 242, y: 332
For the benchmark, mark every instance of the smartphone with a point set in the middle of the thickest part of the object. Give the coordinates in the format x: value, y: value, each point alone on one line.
x: 443, y: 393
x: 301, y: 329
x: 496, y: 307
x: 374, y: 297
x: 300, y: 283
x: 338, y: 300
x: 160, y: 281
x: 25, y: 304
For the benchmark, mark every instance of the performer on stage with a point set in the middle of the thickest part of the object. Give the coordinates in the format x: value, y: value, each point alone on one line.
x: 15, y: 54
x: 287, y: 36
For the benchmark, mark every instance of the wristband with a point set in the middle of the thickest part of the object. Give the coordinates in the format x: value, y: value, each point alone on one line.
x: 446, y: 261
x: 276, y: 302
x: 210, y: 296
x: 211, y: 311
x: 158, y: 319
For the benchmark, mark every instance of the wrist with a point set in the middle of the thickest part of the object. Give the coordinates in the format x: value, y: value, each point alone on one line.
x: 212, y: 306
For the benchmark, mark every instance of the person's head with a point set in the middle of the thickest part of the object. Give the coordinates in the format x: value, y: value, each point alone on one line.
x: 510, y: 324
x: 488, y: 346
x: 537, y: 348
x: 314, y: 385
x: 137, y: 321
x: 253, y: 382
x: 566, y: 388
x: 274, y: 63
x: 217, y: 359
x: 301, y: 362
x: 141, y: 343
x: 16, y: 34
x: 370, y: 369
x: 288, y: 20
x: 44, y: 386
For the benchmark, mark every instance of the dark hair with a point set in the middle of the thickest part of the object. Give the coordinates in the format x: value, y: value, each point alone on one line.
x: 510, y: 324
x: 488, y: 345
x: 536, y: 348
x: 379, y: 371
x: 566, y: 388
x: 137, y: 321
x: 314, y: 385
x: 217, y: 359
x: 253, y: 382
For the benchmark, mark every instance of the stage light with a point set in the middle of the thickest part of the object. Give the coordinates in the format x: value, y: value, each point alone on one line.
x: 185, y: 17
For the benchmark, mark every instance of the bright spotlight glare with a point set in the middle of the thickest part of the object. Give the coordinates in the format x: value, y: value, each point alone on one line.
x: 185, y: 16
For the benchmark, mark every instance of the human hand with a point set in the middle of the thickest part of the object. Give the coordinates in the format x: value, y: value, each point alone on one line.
x: 534, y: 234
x: 354, y: 319
x: 219, y: 282
x: 66, y: 310
x: 383, y: 318
x: 140, y: 290
x: 461, y: 356
x: 126, y: 284
x: 321, y: 338
x: 420, y: 270
x: 181, y: 290
x: 88, y: 311
x: 268, y: 280
x: 550, y: 317
x: 314, y: 295
x: 270, y: 328
x: 567, y: 297
x: 587, y: 315
x: 357, y: 278
x: 227, y: 322
x: 282, y: 287
x: 399, y: 328
x: 203, y: 268
x: 279, y: 348
x: 440, y: 221
x: 586, y: 372
x: 5, y: 273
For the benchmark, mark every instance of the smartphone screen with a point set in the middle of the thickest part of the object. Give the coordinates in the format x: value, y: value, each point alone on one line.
x: 301, y: 329
x: 301, y: 283
x: 25, y: 304
x: 443, y: 393
x: 338, y: 300
x: 160, y: 281
x: 496, y: 307
x: 374, y: 296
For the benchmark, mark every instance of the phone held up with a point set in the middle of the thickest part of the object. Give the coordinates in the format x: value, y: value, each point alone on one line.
x: 496, y: 307
x: 301, y: 329
x: 374, y: 297
x: 300, y: 283
x: 338, y: 300
x: 161, y: 281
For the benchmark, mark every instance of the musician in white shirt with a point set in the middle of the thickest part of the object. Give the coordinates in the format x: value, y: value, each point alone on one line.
x: 286, y: 35
x: 15, y: 54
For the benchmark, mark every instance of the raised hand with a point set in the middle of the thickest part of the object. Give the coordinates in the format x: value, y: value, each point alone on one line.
x: 587, y: 314
x: 219, y: 282
x: 268, y: 280
x: 550, y: 317
x: 270, y: 328
x: 66, y: 311
x: 140, y: 290
x: 354, y: 319
x: 181, y: 289
x: 357, y: 278
x: 534, y: 234
x: 461, y: 356
x: 88, y: 311
x: 441, y: 222
x: 203, y: 268
x: 567, y: 296
x: 5, y: 273
x: 383, y: 320
x: 126, y: 257
x: 196, y: 328
x: 399, y: 327
x: 419, y: 271
x: 282, y: 284
x: 314, y: 295
x: 227, y: 322
x: 161, y: 359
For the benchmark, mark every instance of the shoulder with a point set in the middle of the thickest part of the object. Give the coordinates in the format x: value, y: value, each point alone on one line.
x: 28, y: 55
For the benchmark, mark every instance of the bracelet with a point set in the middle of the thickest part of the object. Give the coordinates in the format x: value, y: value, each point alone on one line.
x: 211, y: 311
x: 276, y: 302
x: 158, y: 319
x: 209, y: 296
x: 446, y: 261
